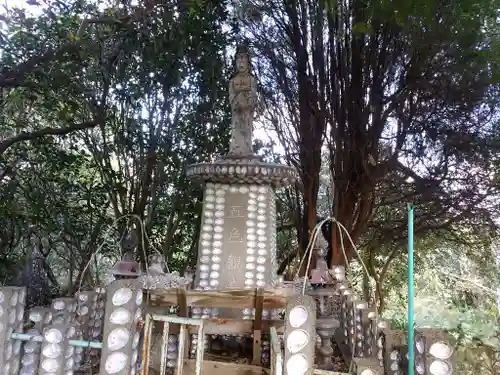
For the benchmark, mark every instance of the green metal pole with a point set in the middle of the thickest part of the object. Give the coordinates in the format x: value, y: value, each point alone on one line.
x: 411, y: 294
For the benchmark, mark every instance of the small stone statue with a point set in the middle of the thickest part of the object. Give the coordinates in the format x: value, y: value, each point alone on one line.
x: 157, y: 278
x: 36, y: 276
x: 129, y: 242
x: 243, y: 101
x: 157, y: 264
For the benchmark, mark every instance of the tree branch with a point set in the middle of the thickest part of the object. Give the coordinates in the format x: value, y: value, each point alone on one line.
x: 29, y: 136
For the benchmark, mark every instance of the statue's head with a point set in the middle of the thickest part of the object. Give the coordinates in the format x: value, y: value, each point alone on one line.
x: 242, y: 59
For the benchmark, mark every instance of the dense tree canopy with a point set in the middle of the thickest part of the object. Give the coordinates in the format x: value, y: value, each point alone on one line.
x: 376, y: 103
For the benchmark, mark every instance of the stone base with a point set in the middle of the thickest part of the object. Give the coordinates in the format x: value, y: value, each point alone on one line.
x: 237, y: 247
x: 236, y: 169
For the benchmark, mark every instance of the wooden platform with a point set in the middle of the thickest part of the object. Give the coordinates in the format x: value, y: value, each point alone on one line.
x: 222, y: 326
x: 223, y: 368
x: 227, y: 298
x: 159, y: 301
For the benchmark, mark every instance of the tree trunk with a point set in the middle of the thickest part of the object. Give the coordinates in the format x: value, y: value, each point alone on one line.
x: 497, y: 250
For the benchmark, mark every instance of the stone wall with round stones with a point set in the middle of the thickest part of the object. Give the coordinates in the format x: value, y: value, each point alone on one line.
x: 237, y: 246
x: 12, y: 302
x: 121, y: 333
x: 211, y: 236
x: 377, y: 349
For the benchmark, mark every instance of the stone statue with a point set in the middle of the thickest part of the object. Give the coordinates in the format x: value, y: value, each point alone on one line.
x: 157, y: 278
x: 36, y: 275
x: 243, y: 101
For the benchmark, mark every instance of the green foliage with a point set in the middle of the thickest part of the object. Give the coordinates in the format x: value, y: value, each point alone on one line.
x: 136, y: 94
x: 140, y: 93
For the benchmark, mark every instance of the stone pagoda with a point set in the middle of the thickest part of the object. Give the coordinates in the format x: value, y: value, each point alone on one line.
x: 237, y: 245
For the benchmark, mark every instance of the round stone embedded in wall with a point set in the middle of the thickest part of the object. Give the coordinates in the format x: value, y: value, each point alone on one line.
x: 220, y: 193
x: 260, y: 283
x: 233, y: 189
x: 219, y: 221
x: 203, y: 275
x: 261, y: 260
x: 214, y: 275
x: 216, y: 259
x: 262, y: 189
x: 209, y: 198
x: 261, y: 232
x: 208, y: 213
x: 250, y: 223
x: 249, y: 282
x: 206, y: 251
x: 204, y: 259
x: 243, y: 190
x: 262, y: 252
x: 250, y: 230
x: 261, y: 268
x: 205, y: 243
x: 216, y: 267
x: 218, y: 236
x: 207, y: 228
x: 261, y: 225
x: 252, y: 215
x: 251, y: 237
x: 218, y: 229
x: 217, y: 251
x: 260, y: 276
x: 250, y: 266
x: 214, y: 283
x: 249, y: 275
x: 203, y: 283
x: 250, y: 259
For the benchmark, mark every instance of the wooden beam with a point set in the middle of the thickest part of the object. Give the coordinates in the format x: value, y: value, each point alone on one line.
x: 257, y: 328
x: 232, y: 298
x: 184, y: 312
x: 222, y: 368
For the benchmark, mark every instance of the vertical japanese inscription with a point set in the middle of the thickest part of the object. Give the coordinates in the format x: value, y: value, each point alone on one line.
x: 233, y: 257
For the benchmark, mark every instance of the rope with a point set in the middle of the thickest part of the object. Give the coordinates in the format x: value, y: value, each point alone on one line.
x: 310, y: 246
x: 144, y: 239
